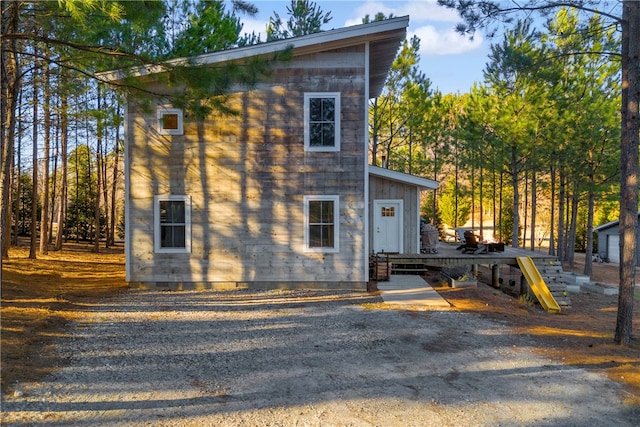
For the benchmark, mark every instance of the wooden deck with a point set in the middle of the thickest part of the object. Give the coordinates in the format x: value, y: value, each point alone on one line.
x: 448, y: 257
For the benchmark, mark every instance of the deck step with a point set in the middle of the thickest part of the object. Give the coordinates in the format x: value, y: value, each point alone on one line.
x: 555, y: 278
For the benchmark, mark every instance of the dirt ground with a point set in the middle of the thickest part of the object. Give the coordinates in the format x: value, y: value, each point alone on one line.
x: 40, y: 297
x: 581, y: 335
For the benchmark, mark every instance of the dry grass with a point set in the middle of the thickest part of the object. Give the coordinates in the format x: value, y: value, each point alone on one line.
x: 39, y: 298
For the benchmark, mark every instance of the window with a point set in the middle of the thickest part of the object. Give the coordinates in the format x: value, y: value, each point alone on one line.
x: 388, y: 211
x: 321, y: 223
x: 322, y: 121
x: 169, y: 121
x: 172, y: 224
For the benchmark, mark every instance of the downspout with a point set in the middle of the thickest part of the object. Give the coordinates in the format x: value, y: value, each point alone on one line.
x: 365, y: 263
x: 127, y: 195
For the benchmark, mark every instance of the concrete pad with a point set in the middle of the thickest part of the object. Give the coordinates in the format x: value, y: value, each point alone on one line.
x: 410, y: 290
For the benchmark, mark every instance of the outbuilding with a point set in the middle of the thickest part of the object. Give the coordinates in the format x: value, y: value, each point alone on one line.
x: 609, y: 241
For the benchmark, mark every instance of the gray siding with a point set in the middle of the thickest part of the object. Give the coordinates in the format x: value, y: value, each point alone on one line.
x: 246, y: 176
x: 614, y: 230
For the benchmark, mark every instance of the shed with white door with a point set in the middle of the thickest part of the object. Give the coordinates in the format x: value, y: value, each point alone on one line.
x: 394, y: 211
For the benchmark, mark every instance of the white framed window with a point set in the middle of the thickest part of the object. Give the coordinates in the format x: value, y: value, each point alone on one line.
x: 169, y: 121
x: 172, y: 224
x: 322, y: 121
x: 321, y: 223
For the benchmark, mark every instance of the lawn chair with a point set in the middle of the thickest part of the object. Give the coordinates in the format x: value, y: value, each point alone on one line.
x: 472, y: 245
x: 460, y: 232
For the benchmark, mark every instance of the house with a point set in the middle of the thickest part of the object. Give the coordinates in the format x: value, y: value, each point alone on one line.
x: 609, y: 241
x: 280, y: 195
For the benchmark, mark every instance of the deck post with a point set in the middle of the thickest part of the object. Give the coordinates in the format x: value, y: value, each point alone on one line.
x: 495, y: 275
x: 524, y: 287
x: 474, y: 270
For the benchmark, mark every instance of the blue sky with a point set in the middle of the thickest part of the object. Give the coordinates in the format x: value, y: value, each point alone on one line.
x: 452, y: 62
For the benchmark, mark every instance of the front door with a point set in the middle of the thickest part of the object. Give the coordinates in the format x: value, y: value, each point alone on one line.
x: 387, y: 225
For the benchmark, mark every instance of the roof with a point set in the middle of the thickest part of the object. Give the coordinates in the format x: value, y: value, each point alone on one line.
x: 610, y: 225
x: 404, y: 178
x: 384, y: 38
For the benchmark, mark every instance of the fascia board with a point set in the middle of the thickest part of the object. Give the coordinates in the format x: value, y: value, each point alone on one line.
x: 403, y: 177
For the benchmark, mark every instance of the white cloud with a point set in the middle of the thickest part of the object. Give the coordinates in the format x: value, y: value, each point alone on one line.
x: 444, y: 41
x: 418, y: 11
x: 259, y: 26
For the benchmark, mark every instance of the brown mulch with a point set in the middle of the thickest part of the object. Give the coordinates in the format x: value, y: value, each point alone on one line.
x: 39, y: 298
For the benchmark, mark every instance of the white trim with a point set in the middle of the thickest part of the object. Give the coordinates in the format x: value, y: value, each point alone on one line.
x: 405, y: 178
x: 161, y: 112
x: 187, y: 224
x: 128, y: 232
x: 336, y: 223
x: 367, y: 221
x: 418, y: 246
x: 338, y: 130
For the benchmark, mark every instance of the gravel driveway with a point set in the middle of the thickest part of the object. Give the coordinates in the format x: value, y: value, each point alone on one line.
x: 284, y: 358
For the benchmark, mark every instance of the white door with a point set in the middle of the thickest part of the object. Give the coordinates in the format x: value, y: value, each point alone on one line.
x: 387, y: 225
x: 613, y: 249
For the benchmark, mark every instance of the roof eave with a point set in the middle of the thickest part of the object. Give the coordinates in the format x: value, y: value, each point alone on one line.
x: 304, y: 44
x: 405, y: 178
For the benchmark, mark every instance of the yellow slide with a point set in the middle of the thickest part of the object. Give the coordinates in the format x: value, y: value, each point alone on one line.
x: 536, y: 282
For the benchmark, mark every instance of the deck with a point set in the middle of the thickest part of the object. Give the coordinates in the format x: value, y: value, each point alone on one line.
x: 448, y: 257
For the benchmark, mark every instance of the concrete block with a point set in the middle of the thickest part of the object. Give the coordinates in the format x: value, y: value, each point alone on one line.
x: 601, y: 288
x: 574, y: 289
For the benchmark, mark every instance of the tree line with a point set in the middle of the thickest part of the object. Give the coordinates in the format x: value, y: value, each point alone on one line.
x: 538, y: 139
x: 550, y: 137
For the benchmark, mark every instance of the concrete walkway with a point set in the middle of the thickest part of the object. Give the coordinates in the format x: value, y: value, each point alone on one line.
x: 410, y: 290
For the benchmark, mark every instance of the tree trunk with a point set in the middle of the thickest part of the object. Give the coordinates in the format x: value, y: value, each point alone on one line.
x: 496, y: 235
x: 481, y: 195
x: 500, y: 206
x: 516, y: 199
x: 588, y: 256
x: 105, y: 192
x: 561, y: 209
x: 552, y: 250
x: 629, y: 168
x: 473, y: 195
x: 62, y: 209
x: 96, y: 237
x: 54, y: 181
x: 114, y: 183
x: 571, y: 239
x: 34, y: 179
x: 9, y: 89
x: 44, y: 216
x: 16, y: 176
x: 534, y: 200
x: 525, y: 213
x: 99, y: 130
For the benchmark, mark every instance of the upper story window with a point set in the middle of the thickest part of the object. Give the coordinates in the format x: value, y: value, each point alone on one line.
x: 322, y: 121
x: 172, y: 224
x: 321, y: 223
x: 169, y: 121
